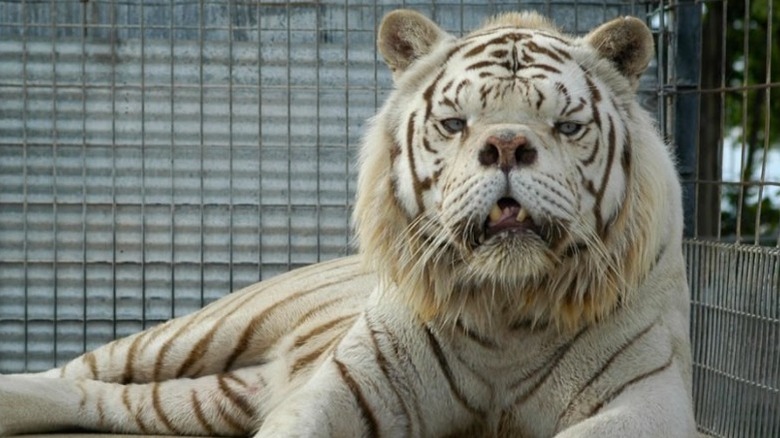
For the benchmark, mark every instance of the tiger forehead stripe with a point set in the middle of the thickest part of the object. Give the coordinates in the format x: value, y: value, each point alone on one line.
x: 557, y: 55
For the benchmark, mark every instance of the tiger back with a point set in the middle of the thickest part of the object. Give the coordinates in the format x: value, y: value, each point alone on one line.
x: 520, y: 270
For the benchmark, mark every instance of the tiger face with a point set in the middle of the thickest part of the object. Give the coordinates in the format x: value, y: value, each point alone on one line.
x: 498, y: 178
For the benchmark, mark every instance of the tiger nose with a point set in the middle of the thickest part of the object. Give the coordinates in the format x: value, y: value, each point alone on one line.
x: 507, y: 152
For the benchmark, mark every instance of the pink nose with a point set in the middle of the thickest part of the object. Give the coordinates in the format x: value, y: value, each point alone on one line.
x: 507, y: 151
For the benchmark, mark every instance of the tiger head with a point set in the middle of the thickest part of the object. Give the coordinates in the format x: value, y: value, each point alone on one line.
x: 511, y: 175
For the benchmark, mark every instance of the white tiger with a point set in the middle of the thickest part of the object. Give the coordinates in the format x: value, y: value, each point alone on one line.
x: 519, y: 221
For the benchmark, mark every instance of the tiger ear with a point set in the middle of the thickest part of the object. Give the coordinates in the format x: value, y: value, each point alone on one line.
x: 627, y: 43
x: 405, y: 36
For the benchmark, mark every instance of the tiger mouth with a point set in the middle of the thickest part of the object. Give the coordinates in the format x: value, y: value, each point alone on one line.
x: 508, y: 216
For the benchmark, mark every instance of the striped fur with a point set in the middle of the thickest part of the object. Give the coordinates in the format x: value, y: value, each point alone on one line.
x: 520, y: 271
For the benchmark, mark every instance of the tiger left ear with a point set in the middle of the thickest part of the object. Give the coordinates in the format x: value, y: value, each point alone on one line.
x: 627, y: 43
x: 405, y: 36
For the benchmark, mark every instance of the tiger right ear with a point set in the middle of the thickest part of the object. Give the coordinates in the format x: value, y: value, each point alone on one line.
x: 627, y: 43
x: 405, y: 36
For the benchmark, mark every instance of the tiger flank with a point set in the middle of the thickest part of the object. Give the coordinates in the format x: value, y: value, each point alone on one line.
x: 520, y: 271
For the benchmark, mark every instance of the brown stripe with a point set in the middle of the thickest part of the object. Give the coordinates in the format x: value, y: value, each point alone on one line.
x: 134, y: 415
x: 447, y: 86
x: 541, y: 97
x: 427, y: 144
x: 595, y: 94
x: 460, y: 86
x: 625, y: 159
x: 229, y: 420
x: 532, y: 46
x: 318, y: 308
x: 558, y: 355
x: 91, y: 361
x: 553, y: 37
x: 476, y: 337
x: 128, y: 374
x: 198, y: 351
x: 365, y: 409
x: 101, y: 413
x: 237, y: 399
x: 239, y: 301
x: 383, y: 366
x: 585, y: 131
x: 428, y: 94
x: 204, y: 424
x: 561, y: 52
x: 302, y: 339
x: 445, y: 368
x: 544, y: 67
x: 626, y: 345
x: 475, y: 51
x: 200, y: 348
x: 258, y: 320
x: 232, y: 376
x: 596, y: 147
x: 159, y: 410
x: 482, y: 64
x: 304, y: 361
x: 561, y: 88
x: 499, y: 53
x: 80, y: 386
x: 611, y: 143
x: 617, y: 391
x: 412, y: 165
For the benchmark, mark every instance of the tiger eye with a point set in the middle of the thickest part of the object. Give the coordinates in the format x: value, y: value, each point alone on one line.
x: 453, y: 125
x: 568, y: 128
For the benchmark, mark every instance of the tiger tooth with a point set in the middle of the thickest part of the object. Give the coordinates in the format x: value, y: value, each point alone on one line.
x: 522, y: 215
x: 495, y: 213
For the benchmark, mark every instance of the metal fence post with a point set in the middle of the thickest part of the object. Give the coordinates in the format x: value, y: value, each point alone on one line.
x: 687, y: 50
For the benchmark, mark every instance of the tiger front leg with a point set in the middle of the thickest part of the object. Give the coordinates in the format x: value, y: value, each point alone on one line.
x: 374, y: 383
x: 656, y: 406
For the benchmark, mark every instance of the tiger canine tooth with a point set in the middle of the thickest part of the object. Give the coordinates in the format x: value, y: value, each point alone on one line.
x: 495, y: 213
x: 522, y: 215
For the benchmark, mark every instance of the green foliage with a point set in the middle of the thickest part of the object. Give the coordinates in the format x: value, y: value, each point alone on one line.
x: 750, y: 56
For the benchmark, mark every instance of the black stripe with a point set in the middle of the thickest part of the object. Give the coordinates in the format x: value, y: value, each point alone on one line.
x: 384, y: 367
x: 550, y: 366
x: 445, y: 368
x: 416, y: 185
x: 476, y: 337
x: 619, y: 390
x: 626, y: 345
x: 611, y: 145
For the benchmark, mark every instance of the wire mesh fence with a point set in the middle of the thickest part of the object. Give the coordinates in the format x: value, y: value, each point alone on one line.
x: 156, y: 155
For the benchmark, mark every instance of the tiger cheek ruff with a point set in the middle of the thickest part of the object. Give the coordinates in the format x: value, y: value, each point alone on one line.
x: 520, y: 271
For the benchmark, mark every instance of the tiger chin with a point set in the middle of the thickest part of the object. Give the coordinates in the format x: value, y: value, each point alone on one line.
x: 520, y: 271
